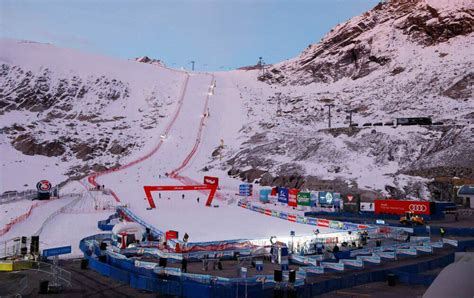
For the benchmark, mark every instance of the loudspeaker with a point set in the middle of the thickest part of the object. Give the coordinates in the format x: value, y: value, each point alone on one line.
x: 24, y: 248
x: 278, y: 275
x: 292, y: 276
x: 163, y: 262
x: 34, y: 245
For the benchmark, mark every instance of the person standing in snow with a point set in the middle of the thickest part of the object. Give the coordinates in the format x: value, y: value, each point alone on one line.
x: 198, y: 200
x: 182, y: 196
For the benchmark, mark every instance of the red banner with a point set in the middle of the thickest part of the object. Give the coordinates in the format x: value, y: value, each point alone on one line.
x: 171, y: 235
x: 323, y: 223
x: 211, y: 180
x: 400, y: 207
x: 293, y: 197
x: 292, y: 217
x: 274, y: 191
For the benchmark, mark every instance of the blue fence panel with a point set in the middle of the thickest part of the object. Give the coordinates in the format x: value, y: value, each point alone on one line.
x: 196, y: 290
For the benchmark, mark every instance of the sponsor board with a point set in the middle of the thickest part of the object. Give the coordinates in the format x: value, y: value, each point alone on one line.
x: 424, y: 248
x: 43, y: 186
x: 328, y: 198
x: 370, y: 259
x: 437, y: 244
x: 323, y: 223
x: 386, y: 254
x: 314, y: 269
x: 353, y: 263
x: 450, y: 242
x: 419, y: 239
x: 334, y: 266
x: 211, y: 180
x: 292, y: 217
x: 406, y: 251
x: 400, y: 207
x: 268, y: 212
x: 283, y: 215
x: 333, y: 224
x: 283, y: 195
x: 264, y: 193
x: 51, y: 252
x: 293, y: 197
x: 304, y: 198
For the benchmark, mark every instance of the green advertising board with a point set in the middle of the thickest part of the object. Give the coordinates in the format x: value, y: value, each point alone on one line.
x: 304, y: 198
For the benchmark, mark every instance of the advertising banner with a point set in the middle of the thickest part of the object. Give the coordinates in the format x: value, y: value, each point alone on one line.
x: 314, y: 269
x: 326, y: 198
x: 437, y: 244
x: 353, y: 263
x: 292, y: 217
x: 211, y: 180
x: 323, y: 223
x: 304, y: 198
x: 334, y: 266
x: 333, y: 224
x: 386, y: 254
x: 43, y: 186
x: 400, y: 207
x: 264, y: 193
x: 301, y: 219
x: 283, y: 215
x: 245, y: 190
x: 283, y: 195
x: 424, y: 248
x: 450, y: 242
x: 274, y: 192
x: 406, y: 251
x: 293, y: 197
x: 370, y: 259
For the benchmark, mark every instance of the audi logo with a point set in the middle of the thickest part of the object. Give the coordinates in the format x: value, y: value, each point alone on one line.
x: 416, y: 207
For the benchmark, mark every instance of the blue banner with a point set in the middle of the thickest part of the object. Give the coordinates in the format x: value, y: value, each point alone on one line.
x: 264, y: 193
x: 283, y: 195
x: 56, y: 251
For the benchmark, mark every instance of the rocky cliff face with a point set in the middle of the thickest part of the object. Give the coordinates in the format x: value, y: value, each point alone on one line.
x: 80, y: 113
x: 368, y: 42
x: 400, y: 59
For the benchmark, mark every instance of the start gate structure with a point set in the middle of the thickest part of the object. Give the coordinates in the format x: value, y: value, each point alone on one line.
x: 210, y: 183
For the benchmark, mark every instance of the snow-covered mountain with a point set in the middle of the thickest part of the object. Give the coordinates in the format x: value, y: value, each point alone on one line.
x: 400, y: 59
x: 84, y: 112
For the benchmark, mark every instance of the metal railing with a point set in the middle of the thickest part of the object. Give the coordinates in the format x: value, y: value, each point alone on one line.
x: 11, y: 196
x: 61, y: 277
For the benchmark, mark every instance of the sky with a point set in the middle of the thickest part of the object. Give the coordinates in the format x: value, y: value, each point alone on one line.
x: 216, y: 34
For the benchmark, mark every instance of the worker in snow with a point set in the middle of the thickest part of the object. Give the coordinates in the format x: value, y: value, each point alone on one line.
x: 182, y: 196
x: 198, y: 200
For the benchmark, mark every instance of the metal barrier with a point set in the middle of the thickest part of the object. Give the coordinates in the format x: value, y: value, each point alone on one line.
x: 11, y: 196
